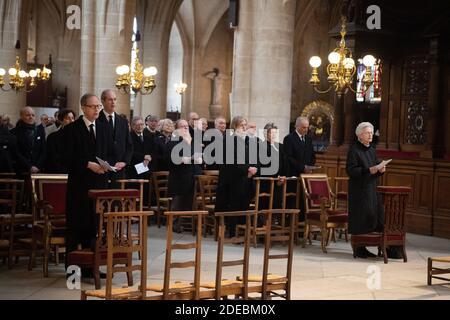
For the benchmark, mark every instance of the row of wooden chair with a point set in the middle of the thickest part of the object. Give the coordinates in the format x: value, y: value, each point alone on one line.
x: 119, y: 239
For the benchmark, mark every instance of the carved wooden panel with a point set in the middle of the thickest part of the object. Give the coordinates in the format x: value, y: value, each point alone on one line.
x: 442, y: 199
x: 401, y: 179
x: 417, y: 75
x: 416, y: 122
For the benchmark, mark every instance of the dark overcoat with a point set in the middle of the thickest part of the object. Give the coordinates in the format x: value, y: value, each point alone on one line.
x: 365, y: 212
x: 80, y: 149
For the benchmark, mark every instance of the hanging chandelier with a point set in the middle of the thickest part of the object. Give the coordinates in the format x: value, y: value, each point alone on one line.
x: 180, y: 88
x: 135, y: 78
x: 19, y: 79
x: 341, y: 68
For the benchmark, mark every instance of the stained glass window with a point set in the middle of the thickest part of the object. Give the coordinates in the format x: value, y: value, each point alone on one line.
x: 373, y: 93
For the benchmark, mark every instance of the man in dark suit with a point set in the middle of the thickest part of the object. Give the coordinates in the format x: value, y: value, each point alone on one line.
x: 299, y: 149
x: 120, y: 133
x: 30, y: 143
x: 88, y: 138
x: 299, y: 153
x: 143, y: 150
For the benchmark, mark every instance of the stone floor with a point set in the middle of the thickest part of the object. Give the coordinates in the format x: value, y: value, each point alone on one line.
x: 335, y: 276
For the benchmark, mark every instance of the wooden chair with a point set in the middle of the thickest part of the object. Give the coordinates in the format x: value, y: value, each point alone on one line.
x: 14, y: 226
x: 272, y: 283
x: 125, y: 183
x: 180, y: 290
x: 434, y: 272
x: 341, y: 192
x: 320, y: 208
x: 394, y: 234
x: 49, y: 226
x: 207, y: 191
x: 222, y: 288
x: 160, y: 182
x: 105, y: 201
x: 259, y: 194
x: 120, y: 240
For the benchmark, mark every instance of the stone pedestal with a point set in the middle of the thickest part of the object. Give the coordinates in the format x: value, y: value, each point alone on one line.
x: 215, y: 110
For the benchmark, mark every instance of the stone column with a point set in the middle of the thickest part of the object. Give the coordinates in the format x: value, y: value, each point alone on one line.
x: 105, y: 44
x: 13, y: 27
x: 155, y: 20
x: 262, y: 71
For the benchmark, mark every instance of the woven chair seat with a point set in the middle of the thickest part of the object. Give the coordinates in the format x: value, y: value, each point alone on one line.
x: 117, y: 293
x: 223, y: 283
x: 441, y: 259
x: 173, y: 286
x: 270, y: 278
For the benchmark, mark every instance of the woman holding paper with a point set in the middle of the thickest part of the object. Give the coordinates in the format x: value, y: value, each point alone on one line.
x: 365, y: 210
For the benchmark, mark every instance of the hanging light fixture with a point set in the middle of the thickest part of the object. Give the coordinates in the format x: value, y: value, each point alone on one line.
x: 180, y: 88
x: 341, y: 68
x: 19, y: 79
x: 135, y: 78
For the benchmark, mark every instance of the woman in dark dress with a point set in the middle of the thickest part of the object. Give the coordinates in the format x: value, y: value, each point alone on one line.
x: 274, y: 168
x: 365, y: 212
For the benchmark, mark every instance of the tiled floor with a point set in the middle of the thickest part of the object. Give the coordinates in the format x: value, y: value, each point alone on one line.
x: 335, y: 275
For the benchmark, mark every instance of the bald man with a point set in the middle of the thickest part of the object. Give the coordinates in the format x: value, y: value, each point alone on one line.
x: 30, y: 143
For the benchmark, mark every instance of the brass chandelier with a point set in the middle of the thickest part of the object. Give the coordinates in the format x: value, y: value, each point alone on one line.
x: 135, y: 78
x: 180, y: 88
x: 341, y: 68
x: 19, y: 79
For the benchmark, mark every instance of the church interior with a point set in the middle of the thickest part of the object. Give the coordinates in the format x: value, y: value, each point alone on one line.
x: 270, y: 62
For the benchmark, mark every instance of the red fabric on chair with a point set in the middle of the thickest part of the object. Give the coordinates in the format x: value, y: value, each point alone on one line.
x: 318, y: 190
x: 368, y: 239
x: 55, y: 195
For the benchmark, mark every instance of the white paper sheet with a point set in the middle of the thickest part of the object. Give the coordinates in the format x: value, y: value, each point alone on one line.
x: 106, y: 165
x: 141, y: 168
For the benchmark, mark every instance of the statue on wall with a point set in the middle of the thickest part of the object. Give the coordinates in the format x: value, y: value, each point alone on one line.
x: 217, y: 79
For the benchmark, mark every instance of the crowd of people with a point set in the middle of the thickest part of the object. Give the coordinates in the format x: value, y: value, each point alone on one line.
x: 73, y: 145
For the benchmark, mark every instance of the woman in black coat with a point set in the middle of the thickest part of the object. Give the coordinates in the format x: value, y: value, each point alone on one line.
x: 180, y: 157
x: 234, y: 189
x: 365, y: 212
x: 275, y: 168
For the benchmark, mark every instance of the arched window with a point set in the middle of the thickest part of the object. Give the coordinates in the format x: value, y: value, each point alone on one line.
x: 175, y: 72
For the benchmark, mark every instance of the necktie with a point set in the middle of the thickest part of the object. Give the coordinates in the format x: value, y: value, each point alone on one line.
x: 92, y: 131
x: 110, y: 122
x: 141, y: 137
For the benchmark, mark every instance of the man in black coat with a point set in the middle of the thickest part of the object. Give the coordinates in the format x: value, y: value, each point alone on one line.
x: 299, y: 149
x: 89, y: 138
x: 365, y: 210
x: 30, y: 143
x: 56, y: 144
x: 143, y: 150
x: 299, y: 152
x: 120, y: 134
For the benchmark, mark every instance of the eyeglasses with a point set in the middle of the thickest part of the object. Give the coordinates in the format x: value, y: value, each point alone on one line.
x: 97, y: 107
